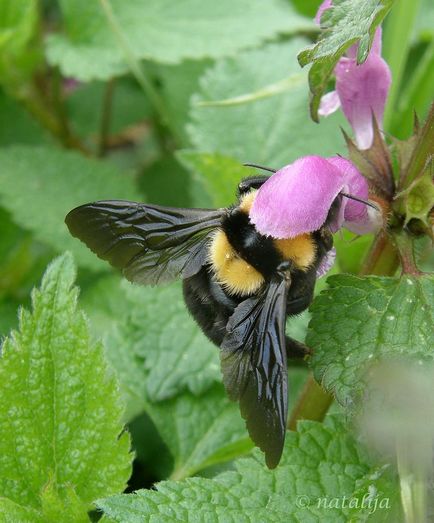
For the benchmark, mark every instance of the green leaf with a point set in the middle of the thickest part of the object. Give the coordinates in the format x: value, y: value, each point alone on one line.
x: 200, y: 431
x: 219, y: 174
x: 10, y: 511
x: 416, y: 96
x: 357, y: 321
x: 178, y: 83
x: 424, y: 26
x: 351, y: 250
x: 320, y: 462
x: 40, y: 185
x: 166, y: 182
x: 17, y: 23
x: 273, y: 130
x: 18, y: 54
x: 174, y: 31
x: 176, y: 353
x: 18, y: 126
x: 106, y: 304
x: 60, y: 410
x: 153, y: 343
x: 344, y: 24
x: 395, y: 50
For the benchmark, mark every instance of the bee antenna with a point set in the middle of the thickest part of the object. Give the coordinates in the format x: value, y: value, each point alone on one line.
x: 361, y: 200
x: 260, y: 167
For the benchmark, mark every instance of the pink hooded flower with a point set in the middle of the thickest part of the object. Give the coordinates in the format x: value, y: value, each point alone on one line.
x: 297, y: 198
x: 361, y: 90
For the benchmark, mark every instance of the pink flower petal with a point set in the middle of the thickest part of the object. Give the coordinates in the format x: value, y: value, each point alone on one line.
x: 325, y: 5
x: 327, y: 263
x: 375, y: 48
x: 297, y: 199
x: 356, y: 184
x: 330, y: 103
x: 363, y: 90
x: 358, y: 217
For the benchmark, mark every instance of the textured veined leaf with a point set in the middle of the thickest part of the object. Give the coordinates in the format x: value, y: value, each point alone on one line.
x: 321, y: 465
x: 272, y: 131
x: 346, y: 23
x: 99, y: 32
x: 61, y: 439
x: 357, y: 321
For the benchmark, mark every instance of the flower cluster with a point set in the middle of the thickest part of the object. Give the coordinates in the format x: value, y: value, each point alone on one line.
x: 298, y: 197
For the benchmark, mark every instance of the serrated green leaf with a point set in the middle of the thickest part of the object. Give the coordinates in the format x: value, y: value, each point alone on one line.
x: 357, y: 321
x: 273, y: 130
x: 107, y: 306
x: 149, y: 334
x: 344, y: 24
x: 174, y: 31
x: 176, y: 353
x: 60, y: 411
x: 320, y: 462
x: 13, y: 512
x: 40, y: 185
x: 200, y: 431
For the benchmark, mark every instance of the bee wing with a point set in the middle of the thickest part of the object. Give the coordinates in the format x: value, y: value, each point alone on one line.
x: 151, y: 244
x: 254, y: 367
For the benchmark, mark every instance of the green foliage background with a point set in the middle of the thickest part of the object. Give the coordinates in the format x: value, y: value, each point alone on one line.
x: 161, y: 101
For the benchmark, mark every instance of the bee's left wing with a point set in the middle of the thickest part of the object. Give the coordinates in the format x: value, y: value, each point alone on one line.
x: 150, y: 243
x: 253, y: 358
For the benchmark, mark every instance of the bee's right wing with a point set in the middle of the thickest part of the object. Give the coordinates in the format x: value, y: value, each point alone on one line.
x: 253, y: 358
x: 151, y: 244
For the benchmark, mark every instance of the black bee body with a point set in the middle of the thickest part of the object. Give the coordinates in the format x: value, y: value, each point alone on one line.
x: 239, y: 285
x: 212, y: 306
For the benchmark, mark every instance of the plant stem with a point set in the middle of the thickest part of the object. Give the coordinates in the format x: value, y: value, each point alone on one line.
x: 382, y: 258
x: 136, y: 68
x: 405, y: 246
x: 106, y: 114
x: 59, y: 107
x: 312, y: 404
x: 413, y: 478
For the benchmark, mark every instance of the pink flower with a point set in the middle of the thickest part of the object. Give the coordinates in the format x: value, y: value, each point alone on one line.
x: 361, y: 90
x: 297, y: 198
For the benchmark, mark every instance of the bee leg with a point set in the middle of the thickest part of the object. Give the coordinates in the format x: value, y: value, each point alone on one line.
x: 296, y: 349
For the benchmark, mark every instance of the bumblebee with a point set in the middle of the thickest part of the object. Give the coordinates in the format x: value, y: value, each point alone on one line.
x: 239, y: 286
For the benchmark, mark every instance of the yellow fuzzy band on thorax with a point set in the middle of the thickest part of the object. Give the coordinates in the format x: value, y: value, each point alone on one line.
x: 231, y: 271
x: 301, y: 250
x: 247, y: 200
